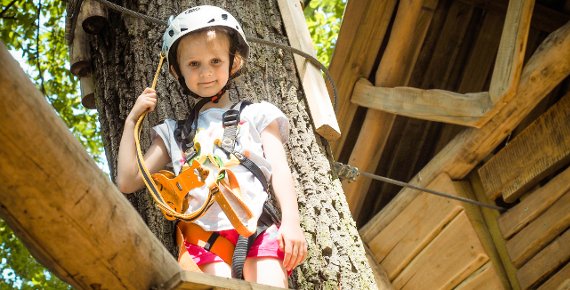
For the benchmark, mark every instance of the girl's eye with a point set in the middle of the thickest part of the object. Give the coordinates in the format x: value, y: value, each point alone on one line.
x: 194, y: 64
x: 216, y: 61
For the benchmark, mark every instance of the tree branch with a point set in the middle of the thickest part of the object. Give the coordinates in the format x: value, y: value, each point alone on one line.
x: 6, y: 8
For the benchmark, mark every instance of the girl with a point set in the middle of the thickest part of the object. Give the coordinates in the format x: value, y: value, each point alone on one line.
x: 206, y: 48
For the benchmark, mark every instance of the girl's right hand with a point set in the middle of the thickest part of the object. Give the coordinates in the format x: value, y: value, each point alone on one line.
x: 145, y: 102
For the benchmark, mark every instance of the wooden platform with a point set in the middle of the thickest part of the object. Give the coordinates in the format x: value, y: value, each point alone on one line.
x: 198, y: 281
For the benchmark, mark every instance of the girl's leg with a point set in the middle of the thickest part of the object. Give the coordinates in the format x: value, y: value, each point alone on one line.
x: 268, y: 271
x: 220, y: 269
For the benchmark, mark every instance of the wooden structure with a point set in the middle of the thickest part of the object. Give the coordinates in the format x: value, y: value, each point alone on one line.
x: 434, y: 92
x: 469, y: 97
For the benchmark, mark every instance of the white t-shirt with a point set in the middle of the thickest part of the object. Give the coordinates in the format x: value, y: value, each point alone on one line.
x: 253, y: 120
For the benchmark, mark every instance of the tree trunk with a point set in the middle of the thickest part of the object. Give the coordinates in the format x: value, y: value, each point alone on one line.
x: 125, y: 56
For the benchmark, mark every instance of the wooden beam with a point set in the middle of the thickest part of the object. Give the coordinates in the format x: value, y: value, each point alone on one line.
x: 534, y: 204
x: 490, y: 217
x: 395, y: 68
x: 362, y: 31
x: 509, y: 63
x: 542, y: 148
x: 64, y: 209
x: 549, y: 65
x: 433, y: 105
x: 318, y: 100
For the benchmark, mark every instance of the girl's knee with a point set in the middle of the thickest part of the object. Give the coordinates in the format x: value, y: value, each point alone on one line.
x: 268, y: 271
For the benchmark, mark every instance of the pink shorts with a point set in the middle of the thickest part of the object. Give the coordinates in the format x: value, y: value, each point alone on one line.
x: 265, y: 245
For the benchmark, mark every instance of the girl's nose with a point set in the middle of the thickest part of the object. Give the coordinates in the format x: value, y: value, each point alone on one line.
x: 205, y: 71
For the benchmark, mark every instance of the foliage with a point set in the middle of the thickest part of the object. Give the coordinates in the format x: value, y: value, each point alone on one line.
x: 324, y: 19
x: 19, y: 269
x: 35, y: 28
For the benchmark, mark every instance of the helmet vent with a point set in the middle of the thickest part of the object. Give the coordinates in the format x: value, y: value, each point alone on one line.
x: 183, y: 29
x: 224, y: 16
x: 171, y: 32
x: 213, y: 19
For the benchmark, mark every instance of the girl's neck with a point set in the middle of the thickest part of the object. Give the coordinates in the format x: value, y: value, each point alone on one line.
x: 223, y: 103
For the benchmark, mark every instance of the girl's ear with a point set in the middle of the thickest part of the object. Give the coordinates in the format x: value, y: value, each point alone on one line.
x: 238, y: 63
x: 173, y: 71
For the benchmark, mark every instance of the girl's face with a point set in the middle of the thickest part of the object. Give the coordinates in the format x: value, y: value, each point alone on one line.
x: 204, y: 62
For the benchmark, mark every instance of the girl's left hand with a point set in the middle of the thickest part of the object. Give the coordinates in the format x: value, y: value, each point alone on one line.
x: 292, y: 242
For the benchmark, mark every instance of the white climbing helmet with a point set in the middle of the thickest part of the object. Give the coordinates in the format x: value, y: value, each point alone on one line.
x: 199, y: 17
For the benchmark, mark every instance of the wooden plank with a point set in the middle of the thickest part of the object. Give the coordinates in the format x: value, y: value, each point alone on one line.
x: 482, y: 57
x: 318, y: 100
x: 545, y: 262
x: 416, y: 226
x: 362, y: 31
x: 540, y: 232
x: 540, y: 149
x: 549, y: 65
x: 543, y: 19
x: 448, y: 41
x: 185, y: 280
x: 61, y: 205
x: 558, y: 281
x: 485, y: 277
x: 450, y: 258
x: 509, y: 63
x: 534, y: 204
x: 394, y: 69
x: 432, y: 105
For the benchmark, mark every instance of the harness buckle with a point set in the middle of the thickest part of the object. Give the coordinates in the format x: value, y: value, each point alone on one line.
x: 230, y: 118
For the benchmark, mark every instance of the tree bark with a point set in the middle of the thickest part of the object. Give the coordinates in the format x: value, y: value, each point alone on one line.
x: 125, y: 56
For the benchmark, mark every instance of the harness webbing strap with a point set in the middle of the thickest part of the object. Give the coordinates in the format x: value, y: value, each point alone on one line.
x: 230, y: 121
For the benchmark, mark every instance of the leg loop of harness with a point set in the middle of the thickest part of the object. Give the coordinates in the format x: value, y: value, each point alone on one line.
x: 211, y: 241
x: 244, y: 244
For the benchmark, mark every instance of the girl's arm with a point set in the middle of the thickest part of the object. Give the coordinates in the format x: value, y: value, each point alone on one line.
x: 292, y: 238
x: 129, y: 178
